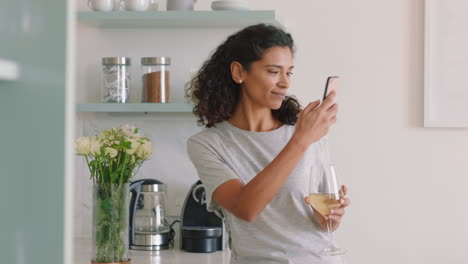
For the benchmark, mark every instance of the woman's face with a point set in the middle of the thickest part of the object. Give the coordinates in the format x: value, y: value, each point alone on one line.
x: 267, y: 81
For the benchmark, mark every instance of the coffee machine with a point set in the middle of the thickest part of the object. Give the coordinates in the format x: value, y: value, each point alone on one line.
x: 201, y: 231
x: 149, y: 229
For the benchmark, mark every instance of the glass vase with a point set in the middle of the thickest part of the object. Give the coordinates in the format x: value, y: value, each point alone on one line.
x: 110, y: 223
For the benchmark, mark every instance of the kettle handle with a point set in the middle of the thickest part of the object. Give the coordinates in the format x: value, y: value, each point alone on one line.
x: 134, y: 189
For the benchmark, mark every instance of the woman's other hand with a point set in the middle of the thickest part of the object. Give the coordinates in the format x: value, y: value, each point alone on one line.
x: 336, y: 215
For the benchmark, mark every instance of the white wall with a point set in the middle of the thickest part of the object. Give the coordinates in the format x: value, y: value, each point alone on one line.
x: 406, y: 182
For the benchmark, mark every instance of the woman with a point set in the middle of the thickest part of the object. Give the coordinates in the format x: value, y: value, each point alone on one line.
x: 255, y: 156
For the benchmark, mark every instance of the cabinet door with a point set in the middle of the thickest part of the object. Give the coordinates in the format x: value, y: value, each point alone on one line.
x: 32, y: 116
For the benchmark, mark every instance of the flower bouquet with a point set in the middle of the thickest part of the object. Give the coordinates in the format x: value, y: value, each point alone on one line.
x: 112, y: 158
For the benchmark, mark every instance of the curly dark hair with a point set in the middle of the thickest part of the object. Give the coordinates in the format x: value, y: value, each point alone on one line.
x: 214, y: 92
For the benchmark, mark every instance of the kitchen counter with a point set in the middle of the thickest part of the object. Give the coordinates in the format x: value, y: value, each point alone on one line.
x: 82, y: 255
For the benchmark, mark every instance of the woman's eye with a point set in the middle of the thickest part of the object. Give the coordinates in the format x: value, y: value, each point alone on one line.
x: 273, y: 72
x: 289, y: 73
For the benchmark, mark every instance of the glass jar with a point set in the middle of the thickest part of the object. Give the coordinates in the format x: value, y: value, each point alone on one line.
x: 115, y: 80
x: 155, y: 79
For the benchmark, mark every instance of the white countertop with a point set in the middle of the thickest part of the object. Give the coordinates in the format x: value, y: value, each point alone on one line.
x: 82, y: 255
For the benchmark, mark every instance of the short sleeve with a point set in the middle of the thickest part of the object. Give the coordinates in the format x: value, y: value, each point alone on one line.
x: 212, y: 170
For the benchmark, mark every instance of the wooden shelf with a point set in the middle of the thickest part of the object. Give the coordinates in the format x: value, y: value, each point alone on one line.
x: 134, y: 19
x: 135, y: 107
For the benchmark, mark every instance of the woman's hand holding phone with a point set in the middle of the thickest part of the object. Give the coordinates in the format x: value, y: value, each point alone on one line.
x: 331, y: 85
x: 315, y: 119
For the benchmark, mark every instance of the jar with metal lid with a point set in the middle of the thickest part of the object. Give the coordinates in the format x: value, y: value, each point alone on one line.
x: 115, y: 80
x: 156, y: 83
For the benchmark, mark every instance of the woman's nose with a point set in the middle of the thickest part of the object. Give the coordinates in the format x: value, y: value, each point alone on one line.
x: 284, y: 81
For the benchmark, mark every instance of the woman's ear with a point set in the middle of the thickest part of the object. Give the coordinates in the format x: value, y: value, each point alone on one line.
x: 237, y: 72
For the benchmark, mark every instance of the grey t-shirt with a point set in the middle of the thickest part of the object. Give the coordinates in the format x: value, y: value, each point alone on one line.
x: 286, y: 230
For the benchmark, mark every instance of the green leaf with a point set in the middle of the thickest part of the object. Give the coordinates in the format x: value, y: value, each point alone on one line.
x: 114, y: 177
x: 126, y: 144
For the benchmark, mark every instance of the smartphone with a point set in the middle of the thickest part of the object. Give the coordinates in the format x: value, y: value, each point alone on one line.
x: 331, y: 85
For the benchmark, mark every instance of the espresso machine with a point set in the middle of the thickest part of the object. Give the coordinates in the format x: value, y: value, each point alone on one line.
x: 201, y: 231
x: 149, y: 229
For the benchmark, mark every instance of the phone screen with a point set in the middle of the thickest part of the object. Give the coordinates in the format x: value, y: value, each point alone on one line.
x: 331, y: 85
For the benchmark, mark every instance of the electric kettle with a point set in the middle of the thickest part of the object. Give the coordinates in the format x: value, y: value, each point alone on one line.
x: 149, y: 229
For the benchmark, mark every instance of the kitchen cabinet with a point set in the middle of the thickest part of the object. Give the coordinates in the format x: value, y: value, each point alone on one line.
x: 35, y: 189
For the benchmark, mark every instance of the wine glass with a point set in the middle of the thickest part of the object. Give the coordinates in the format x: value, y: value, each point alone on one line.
x: 325, y: 194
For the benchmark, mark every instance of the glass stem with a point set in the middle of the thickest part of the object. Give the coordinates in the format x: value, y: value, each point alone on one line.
x: 330, y: 232
x: 326, y: 150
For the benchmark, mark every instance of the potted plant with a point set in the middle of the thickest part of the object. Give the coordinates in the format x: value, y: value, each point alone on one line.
x: 112, y: 158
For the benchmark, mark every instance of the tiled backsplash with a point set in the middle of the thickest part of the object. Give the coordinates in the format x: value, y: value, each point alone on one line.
x: 169, y: 162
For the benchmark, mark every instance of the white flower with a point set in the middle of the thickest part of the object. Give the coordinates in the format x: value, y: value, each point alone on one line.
x: 82, y: 145
x: 134, y: 146
x: 112, y: 152
x: 144, y: 150
x: 129, y: 130
x: 95, y: 146
x: 106, y: 147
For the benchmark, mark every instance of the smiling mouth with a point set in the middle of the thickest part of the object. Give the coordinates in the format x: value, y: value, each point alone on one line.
x: 281, y: 95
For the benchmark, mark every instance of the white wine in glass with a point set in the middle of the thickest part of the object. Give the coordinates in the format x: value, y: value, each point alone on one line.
x: 324, y: 195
